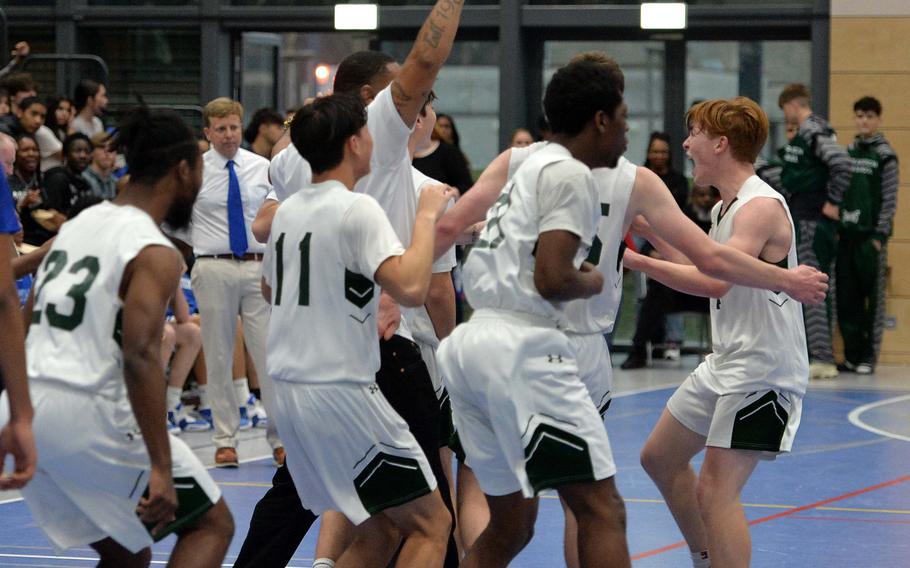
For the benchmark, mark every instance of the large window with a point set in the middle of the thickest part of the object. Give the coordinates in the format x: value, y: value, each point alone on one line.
x: 468, y: 90
x: 758, y: 70
x: 643, y: 66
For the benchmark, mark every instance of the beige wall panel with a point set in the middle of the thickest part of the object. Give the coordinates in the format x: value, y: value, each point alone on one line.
x: 902, y: 217
x: 870, y: 8
x: 891, y: 90
x: 899, y: 278
x: 869, y: 44
x: 897, y: 341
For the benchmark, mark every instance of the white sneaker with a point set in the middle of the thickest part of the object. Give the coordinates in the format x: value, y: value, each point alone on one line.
x: 672, y: 354
x: 256, y: 412
x: 864, y: 369
x: 822, y: 370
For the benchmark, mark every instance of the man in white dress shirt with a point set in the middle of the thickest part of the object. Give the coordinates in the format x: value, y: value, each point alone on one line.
x: 226, y: 274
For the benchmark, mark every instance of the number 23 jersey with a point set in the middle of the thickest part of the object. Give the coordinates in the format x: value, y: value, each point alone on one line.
x: 74, y: 335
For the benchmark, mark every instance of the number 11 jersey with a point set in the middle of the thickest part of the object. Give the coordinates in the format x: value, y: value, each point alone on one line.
x: 74, y: 339
x: 324, y: 249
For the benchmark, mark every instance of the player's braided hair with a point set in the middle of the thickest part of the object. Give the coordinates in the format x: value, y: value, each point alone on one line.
x: 154, y: 142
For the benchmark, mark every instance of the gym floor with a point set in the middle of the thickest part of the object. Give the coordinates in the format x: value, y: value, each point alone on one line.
x: 840, y: 499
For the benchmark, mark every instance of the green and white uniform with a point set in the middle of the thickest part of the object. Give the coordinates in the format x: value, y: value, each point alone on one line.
x: 816, y: 169
x: 867, y: 212
x: 347, y: 449
x: 748, y: 392
x: 591, y: 318
x: 525, y: 418
x: 87, y: 486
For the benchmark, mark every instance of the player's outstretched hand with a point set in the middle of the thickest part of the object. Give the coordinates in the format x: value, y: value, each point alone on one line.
x: 809, y: 285
x: 388, y: 317
x: 435, y: 198
x: 160, y: 506
x: 17, y: 440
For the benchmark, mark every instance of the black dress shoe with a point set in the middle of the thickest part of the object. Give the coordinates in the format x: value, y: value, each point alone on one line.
x: 634, y: 362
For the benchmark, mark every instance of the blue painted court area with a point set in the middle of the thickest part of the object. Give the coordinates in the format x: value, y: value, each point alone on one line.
x: 841, y: 499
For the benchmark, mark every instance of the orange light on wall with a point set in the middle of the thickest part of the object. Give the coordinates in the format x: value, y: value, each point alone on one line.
x: 322, y: 73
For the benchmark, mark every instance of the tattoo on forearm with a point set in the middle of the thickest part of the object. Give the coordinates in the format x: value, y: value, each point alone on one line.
x: 433, y: 33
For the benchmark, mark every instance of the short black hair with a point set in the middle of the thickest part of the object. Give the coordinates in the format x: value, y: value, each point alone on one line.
x: 72, y: 139
x: 15, y: 83
x: 85, y: 89
x: 29, y: 101
x: 320, y: 129
x: 868, y: 104
x: 260, y: 117
x: 360, y: 69
x: 580, y: 89
x: 154, y: 141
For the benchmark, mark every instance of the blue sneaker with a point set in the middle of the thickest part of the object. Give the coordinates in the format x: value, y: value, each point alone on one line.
x: 206, y: 414
x: 190, y: 423
x: 256, y: 412
x: 172, y: 427
x: 245, y: 423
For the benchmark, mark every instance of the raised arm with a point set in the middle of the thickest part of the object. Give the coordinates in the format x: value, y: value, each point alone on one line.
x: 149, y: 282
x: 651, y: 199
x: 434, y: 43
x: 473, y: 206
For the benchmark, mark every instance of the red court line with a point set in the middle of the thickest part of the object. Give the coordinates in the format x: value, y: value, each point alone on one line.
x: 853, y: 520
x: 786, y: 513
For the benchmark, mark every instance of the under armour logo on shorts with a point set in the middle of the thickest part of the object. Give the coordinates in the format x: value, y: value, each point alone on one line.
x: 373, y: 388
x: 554, y: 358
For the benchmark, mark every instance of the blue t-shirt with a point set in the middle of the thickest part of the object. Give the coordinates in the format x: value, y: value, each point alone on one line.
x: 9, y: 221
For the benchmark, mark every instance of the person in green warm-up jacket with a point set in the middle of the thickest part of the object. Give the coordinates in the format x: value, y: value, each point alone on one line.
x: 815, y: 175
x: 866, y: 215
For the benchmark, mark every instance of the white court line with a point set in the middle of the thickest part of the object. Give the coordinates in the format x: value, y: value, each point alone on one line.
x: 854, y: 417
x: 87, y: 559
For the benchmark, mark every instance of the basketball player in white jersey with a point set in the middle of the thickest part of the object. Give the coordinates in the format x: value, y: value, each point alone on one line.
x: 625, y: 192
x: 524, y: 417
x: 349, y: 451
x: 743, y: 403
x: 94, y: 351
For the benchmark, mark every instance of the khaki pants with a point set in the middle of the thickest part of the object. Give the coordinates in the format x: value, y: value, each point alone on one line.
x: 224, y: 289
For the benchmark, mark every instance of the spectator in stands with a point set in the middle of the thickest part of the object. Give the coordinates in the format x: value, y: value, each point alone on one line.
x: 443, y: 161
x: 32, y: 117
x: 447, y: 132
x: 659, y: 161
x: 264, y: 130
x: 60, y: 114
x: 662, y: 300
x: 65, y: 185
x: 20, y: 86
x: 4, y: 102
x: 521, y: 138
x: 90, y: 100
x: 25, y: 181
x: 7, y: 153
x: 99, y: 173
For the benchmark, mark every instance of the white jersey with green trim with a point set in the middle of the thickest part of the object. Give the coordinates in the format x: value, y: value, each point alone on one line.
x: 324, y: 249
x: 74, y: 339
x: 551, y: 191
x: 614, y: 189
x: 759, y: 340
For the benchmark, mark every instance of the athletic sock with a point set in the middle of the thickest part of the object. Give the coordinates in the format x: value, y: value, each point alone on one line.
x: 204, y: 397
x: 323, y: 563
x: 700, y: 559
x: 242, y: 390
x: 173, y: 397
